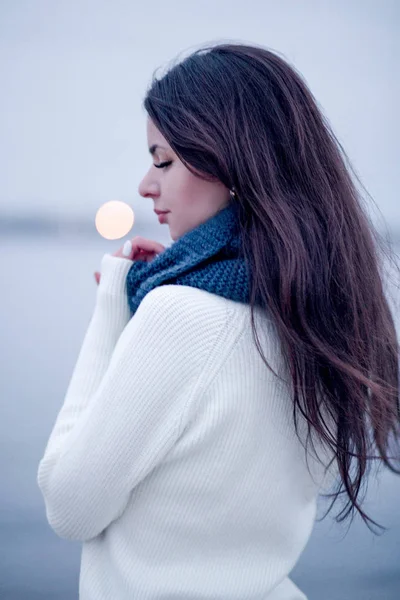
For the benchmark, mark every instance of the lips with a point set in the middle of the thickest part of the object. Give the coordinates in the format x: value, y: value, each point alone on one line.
x: 161, y: 212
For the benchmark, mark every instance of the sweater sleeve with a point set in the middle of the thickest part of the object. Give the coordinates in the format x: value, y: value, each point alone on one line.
x: 110, y: 316
x: 116, y: 426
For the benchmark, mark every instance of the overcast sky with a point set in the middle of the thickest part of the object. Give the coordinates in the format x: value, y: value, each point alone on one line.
x: 73, y: 74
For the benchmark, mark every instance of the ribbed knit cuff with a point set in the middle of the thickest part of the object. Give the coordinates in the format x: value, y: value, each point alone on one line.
x: 114, y: 271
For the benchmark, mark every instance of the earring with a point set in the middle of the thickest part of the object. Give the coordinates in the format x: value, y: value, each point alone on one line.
x: 232, y: 193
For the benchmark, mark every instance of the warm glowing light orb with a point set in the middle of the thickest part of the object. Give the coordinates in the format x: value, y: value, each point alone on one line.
x: 114, y: 219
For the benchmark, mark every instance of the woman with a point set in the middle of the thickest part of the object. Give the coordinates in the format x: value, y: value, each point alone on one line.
x: 228, y: 380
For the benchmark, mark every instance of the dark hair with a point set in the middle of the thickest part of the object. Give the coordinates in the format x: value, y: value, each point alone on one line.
x: 241, y: 115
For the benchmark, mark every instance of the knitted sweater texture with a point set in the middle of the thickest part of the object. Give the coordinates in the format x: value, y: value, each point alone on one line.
x: 174, y: 458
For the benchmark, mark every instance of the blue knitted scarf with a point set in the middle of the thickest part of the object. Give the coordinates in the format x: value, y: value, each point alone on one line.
x: 206, y: 257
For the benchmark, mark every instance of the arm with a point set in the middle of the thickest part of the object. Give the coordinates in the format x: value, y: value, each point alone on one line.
x: 109, y: 436
x: 110, y: 316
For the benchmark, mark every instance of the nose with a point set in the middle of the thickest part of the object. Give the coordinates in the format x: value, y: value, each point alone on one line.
x: 148, y: 188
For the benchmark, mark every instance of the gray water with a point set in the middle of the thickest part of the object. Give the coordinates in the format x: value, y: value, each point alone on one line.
x: 48, y: 293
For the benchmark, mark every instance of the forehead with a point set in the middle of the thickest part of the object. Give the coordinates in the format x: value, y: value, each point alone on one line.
x: 154, y: 135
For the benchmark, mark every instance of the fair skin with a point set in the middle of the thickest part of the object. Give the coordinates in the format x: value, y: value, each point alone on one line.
x: 191, y: 200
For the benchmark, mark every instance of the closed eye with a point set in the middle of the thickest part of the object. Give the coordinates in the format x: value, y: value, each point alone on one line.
x: 163, y: 164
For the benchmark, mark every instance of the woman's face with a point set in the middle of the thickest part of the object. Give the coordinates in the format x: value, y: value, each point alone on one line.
x: 190, y: 200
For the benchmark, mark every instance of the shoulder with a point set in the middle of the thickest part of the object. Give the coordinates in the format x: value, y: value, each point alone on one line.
x: 185, y: 319
x: 187, y: 303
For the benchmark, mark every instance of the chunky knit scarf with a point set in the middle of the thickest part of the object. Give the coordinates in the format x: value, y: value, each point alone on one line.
x: 206, y: 257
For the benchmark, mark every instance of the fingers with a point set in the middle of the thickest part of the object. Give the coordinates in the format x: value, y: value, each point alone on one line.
x: 146, y: 244
x: 140, y: 243
x: 138, y: 248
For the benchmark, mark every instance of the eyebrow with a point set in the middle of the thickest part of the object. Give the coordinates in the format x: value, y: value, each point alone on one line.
x: 154, y: 147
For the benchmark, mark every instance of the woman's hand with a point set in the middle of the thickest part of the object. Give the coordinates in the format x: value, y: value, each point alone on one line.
x: 138, y: 248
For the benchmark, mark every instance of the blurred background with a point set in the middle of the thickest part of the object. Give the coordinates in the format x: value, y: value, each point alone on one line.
x: 73, y: 136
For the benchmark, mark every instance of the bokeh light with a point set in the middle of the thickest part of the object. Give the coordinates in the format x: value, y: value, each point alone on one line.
x: 114, y: 219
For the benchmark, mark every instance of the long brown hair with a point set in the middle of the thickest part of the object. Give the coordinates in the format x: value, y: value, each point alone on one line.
x: 240, y: 114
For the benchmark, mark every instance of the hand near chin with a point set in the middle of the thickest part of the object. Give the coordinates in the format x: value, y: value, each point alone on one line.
x: 138, y: 248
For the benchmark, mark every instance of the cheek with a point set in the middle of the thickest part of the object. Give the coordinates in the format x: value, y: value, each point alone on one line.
x: 180, y: 178
x: 192, y: 189
x: 182, y: 189
x: 184, y: 181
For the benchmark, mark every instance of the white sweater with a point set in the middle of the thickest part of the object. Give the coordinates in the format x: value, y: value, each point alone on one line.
x: 174, y: 457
